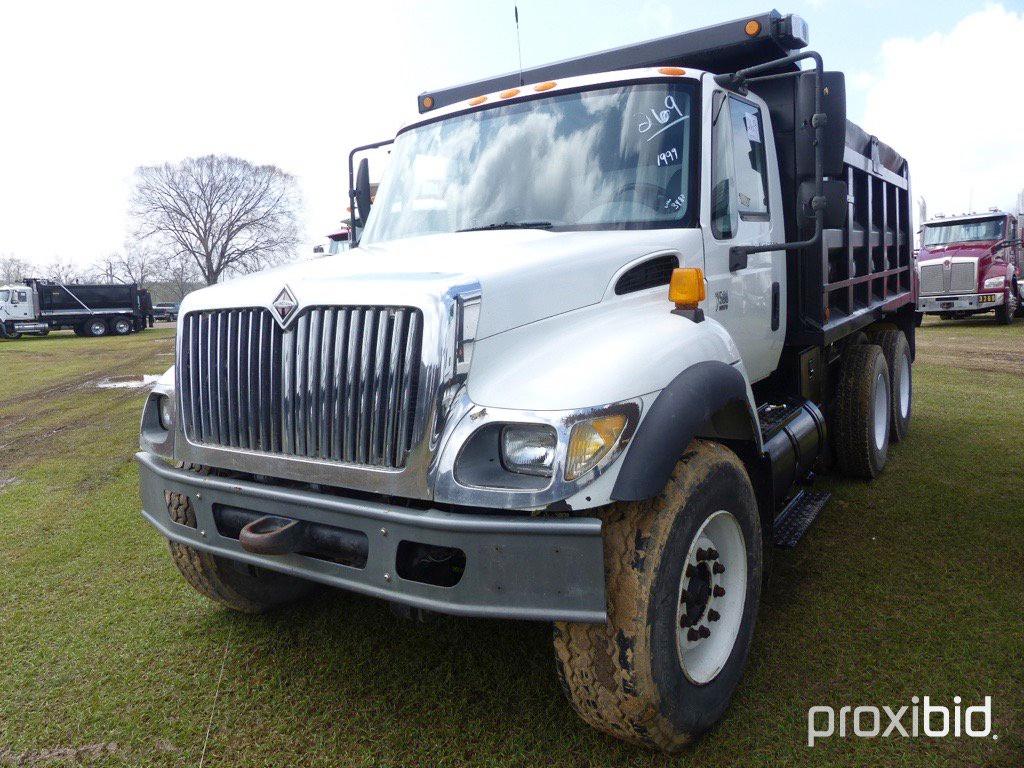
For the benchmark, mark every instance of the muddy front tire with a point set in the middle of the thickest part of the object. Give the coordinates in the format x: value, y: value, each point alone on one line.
x: 642, y: 676
x: 241, y: 587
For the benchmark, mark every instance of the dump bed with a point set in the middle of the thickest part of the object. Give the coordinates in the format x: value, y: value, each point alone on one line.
x: 62, y: 298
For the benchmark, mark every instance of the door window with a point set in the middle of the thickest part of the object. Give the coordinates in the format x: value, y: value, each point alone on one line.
x: 739, y: 182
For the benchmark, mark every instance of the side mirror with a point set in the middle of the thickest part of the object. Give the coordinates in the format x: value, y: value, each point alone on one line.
x: 363, y: 194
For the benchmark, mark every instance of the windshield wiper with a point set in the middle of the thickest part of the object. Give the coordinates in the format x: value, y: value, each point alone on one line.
x: 510, y: 225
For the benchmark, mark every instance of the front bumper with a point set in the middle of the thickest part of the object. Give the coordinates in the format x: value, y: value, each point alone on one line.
x: 547, y: 569
x: 976, y: 302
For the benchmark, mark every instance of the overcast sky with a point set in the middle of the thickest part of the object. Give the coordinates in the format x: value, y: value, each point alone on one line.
x: 90, y: 91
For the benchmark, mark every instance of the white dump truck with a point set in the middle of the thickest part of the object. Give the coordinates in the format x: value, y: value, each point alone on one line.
x: 604, y: 321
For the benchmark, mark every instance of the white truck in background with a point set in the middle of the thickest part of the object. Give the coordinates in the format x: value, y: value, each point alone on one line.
x: 604, y: 320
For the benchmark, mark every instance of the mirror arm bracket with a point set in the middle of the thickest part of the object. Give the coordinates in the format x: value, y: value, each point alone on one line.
x: 738, y: 81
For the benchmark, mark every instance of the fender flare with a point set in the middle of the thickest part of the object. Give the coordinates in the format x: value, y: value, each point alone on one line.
x: 683, y: 410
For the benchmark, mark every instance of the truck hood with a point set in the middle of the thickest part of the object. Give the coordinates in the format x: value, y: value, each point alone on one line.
x: 524, y: 275
x: 973, y: 250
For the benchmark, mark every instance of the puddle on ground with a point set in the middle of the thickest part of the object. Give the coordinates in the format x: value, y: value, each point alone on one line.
x: 127, y: 382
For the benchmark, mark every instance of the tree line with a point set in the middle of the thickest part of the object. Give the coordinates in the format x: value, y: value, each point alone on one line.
x: 195, y: 222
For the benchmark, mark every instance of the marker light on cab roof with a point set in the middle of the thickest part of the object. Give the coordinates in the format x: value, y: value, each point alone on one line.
x: 673, y: 71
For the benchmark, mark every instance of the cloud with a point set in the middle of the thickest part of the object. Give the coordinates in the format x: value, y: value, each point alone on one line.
x: 951, y: 104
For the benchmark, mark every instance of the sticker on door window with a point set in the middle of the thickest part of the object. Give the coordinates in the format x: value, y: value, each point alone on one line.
x: 753, y: 126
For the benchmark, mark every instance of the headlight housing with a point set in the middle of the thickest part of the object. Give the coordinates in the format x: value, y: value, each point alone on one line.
x: 991, y: 283
x: 529, y: 449
x: 590, y: 441
x: 165, y: 412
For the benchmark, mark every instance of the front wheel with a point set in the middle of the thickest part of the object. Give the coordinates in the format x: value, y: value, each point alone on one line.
x: 1007, y: 311
x: 683, y: 575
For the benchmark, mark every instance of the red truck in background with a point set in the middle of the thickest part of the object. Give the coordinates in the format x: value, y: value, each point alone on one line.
x: 971, y: 264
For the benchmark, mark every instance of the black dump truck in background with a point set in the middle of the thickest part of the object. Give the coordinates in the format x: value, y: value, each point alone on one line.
x: 38, y: 306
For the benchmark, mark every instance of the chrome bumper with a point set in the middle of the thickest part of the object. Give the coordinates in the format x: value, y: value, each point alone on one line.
x: 548, y: 569
x: 977, y: 302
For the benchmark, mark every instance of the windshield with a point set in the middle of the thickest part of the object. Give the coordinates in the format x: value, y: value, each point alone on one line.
x: 963, y: 231
x: 612, y: 158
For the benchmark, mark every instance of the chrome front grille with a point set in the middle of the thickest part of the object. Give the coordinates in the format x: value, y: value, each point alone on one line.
x: 340, y: 384
x: 932, y: 279
x: 962, y: 278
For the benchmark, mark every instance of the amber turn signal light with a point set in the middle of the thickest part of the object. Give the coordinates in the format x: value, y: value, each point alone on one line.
x: 686, y: 289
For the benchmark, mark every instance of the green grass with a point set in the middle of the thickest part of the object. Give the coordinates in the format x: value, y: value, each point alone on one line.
x: 909, y: 586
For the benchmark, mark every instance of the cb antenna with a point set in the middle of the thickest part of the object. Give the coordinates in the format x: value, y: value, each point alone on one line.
x: 519, y: 44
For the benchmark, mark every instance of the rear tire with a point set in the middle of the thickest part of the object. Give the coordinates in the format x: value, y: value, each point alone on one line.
x: 901, y: 380
x: 861, y: 415
x: 640, y: 677
x: 240, y: 587
x: 121, y: 326
x: 95, y: 328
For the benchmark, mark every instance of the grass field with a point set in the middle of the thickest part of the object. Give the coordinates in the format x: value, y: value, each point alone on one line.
x: 910, y: 586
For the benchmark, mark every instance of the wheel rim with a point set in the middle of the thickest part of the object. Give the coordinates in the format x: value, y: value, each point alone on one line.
x: 712, y: 594
x: 881, y: 410
x: 98, y: 329
x: 904, y: 387
x: 122, y: 326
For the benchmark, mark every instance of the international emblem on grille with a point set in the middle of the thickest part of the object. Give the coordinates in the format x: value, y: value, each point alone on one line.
x: 284, y: 305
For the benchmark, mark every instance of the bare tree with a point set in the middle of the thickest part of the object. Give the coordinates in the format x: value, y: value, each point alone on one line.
x: 226, y: 214
x: 13, y: 269
x: 61, y: 271
x: 105, y: 270
x: 138, y: 264
x: 179, y: 275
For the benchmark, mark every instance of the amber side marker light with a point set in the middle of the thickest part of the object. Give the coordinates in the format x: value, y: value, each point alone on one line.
x: 509, y: 93
x: 477, y: 100
x: 753, y: 28
x: 544, y: 86
x: 673, y: 71
x: 686, y: 289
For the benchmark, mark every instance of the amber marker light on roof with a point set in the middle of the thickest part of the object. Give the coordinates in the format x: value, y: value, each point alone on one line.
x: 753, y: 28
x: 544, y: 86
x: 427, y: 102
x: 509, y: 93
x: 477, y: 100
x: 673, y: 71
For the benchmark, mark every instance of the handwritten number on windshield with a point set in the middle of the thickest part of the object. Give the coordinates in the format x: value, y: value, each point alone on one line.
x: 661, y: 118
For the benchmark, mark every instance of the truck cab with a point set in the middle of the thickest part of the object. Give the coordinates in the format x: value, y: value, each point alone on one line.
x: 971, y: 264
x: 18, y: 312
x: 600, y: 320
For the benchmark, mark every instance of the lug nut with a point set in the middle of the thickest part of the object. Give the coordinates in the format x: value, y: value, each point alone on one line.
x: 718, y: 568
x: 704, y: 631
x: 714, y: 615
x: 702, y: 554
x: 712, y: 554
x: 693, y: 634
x: 718, y: 591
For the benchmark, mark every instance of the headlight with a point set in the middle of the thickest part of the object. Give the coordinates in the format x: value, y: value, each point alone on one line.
x: 528, y: 449
x: 590, y: 442
x: 165, y: 410
x: 994, y: 282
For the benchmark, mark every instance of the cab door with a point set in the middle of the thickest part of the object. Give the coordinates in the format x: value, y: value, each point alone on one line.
x: 741, y: 205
